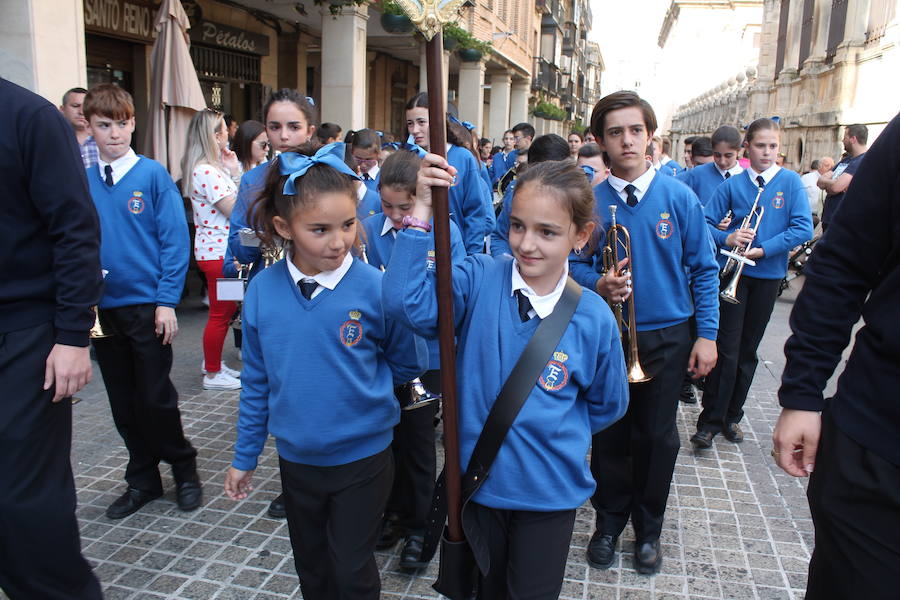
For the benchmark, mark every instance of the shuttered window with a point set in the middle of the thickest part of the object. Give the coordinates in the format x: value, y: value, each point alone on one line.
x: 836, y: 28
x: 781, y: 43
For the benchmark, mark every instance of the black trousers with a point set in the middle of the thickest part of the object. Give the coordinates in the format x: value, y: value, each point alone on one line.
x: 741, y: 329
x: 854, y: 497
x: 334, y: 517
x: 40, y: 547
x: 415, y: 468
x: 527, y: 549
x: 135, y: 366
x: 632, y: 461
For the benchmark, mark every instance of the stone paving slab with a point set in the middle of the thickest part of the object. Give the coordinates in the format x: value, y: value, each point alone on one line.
x: 736, y: 527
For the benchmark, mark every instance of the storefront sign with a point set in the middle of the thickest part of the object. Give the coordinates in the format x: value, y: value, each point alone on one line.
x: 230, y: 38
x: 132, y: 19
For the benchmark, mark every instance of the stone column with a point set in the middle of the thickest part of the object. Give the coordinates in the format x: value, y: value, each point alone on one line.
x: 518, y: 101
x: 471, y: 94
x: 500, y: 97
x: 423, y: 71
x: 344, y: 67
x: 792, y: 41
x: 857, y: 21
x: 42, y: 46
x: 821, y: 17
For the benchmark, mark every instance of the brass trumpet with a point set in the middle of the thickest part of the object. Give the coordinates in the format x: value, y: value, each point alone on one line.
x: 627, y: 330
x: 97, y: 330
x: 736, y: 259
x: 271, y: 254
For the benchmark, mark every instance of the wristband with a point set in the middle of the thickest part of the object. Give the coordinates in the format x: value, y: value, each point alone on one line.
x: 411, y: 221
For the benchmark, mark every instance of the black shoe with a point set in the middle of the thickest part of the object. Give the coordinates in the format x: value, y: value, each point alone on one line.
x: 130, y: 502
x: 391, y: 532
x: 733, y: 433
x: 277, y: 509
x: 411, y: 555
x: 189, y: 495
x: 647, y: 557
x: 702, y: 439
x: 687, y: 392
x: 601, y: 550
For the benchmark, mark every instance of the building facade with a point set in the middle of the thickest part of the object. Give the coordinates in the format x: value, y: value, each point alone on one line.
x: 823, y: 64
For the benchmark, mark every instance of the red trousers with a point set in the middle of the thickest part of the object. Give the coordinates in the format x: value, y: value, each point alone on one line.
x: 220, y: 313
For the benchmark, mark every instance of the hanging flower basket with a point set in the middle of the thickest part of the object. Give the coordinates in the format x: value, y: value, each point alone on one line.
x: 450, y: 43
x: 469, y: 54
x: 396, y: 23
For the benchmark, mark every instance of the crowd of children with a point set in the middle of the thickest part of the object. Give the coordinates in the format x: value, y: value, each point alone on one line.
x: 335, y: 232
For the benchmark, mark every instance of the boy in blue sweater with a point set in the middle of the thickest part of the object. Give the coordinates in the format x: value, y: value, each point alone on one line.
x: 519, y: 522
x: 320, y: 364
x: 705, y: 178
x: 786, y: 222
x: 675, y: 283
x: 144, y: 252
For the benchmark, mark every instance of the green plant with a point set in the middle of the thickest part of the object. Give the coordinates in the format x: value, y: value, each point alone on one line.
x: 389, y: 7
x: 335, y: 6
x: 546, y: 110
x: 466, y: 41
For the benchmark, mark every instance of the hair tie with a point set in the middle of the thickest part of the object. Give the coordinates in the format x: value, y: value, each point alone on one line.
x: 310, y: 100
x: 465, y: 124
x: 296, y: 165
x: 415, y: 149
x: 589, y: 171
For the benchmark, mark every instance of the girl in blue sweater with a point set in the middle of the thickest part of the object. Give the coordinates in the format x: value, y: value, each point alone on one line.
x: 471, y: 206
x: 320, y: 364
x: 540, y: 475
x: 786, y: 223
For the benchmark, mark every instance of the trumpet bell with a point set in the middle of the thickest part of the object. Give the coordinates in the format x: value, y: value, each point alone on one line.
x: 419, y: 396
x: 636, y: 374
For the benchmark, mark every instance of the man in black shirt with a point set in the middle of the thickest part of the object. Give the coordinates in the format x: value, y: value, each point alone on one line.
x: 49, y: 280
x: 836, y: 182
x: 849, y: 443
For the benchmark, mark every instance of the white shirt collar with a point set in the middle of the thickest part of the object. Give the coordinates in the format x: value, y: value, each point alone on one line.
x: 641, y: 184
x: 373, y: 172
x: 542, y: 306
x: 361, y: 190
x: 325, y: 279
x: 767, y: 175
x: 120, y: 166
x: 735, y: 170
x: 388, y: 226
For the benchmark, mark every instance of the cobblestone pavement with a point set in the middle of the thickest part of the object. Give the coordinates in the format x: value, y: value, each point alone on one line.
x: 736, y: 526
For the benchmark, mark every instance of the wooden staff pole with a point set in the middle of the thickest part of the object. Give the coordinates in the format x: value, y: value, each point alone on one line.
x: 437, y: 121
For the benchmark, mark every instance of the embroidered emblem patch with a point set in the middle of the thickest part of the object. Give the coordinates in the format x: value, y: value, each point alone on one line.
x: 778, y: 200
x: 429, y: 261
x: 136, y: 202
x: 555, y: 375
x: 664, y: 227
x: 352, y: 330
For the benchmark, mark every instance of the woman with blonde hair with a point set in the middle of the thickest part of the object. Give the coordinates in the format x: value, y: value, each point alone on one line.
x: 211, y: 172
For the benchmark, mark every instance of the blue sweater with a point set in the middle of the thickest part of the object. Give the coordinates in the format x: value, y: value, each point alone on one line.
x: 786, y: 222
x: 501, y: 163
x: 319, y: 374
x: 671, y: 168
x: 703, y: 180
x: 379, y: 249
x: 541, y: 465
x: 469, y: 200
x: 500, y: 235
x: 145, y: 241
x: 674, y: 273
x: 369, y: 205
x: 252, y: 184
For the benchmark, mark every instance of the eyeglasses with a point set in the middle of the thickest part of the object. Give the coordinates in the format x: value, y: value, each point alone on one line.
x: 366, y: 161
x: 263, y: 145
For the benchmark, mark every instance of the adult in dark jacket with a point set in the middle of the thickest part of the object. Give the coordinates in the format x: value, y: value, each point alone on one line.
x: 49, y: 280
x: 848, y: 443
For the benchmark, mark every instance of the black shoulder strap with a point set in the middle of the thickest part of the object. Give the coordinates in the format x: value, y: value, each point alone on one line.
x: 518, y: 386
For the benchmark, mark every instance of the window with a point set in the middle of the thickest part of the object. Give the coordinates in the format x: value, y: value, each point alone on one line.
x: 836, y: 28
x: 806, y: 29
x: 781, y: 43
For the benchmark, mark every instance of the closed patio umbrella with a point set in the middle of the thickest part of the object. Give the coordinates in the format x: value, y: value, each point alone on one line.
x: 175, y: 93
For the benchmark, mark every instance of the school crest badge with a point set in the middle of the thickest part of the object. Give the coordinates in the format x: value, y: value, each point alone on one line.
x: 778, y: 200
x: 429, y: 261
x: 136, y: 202
x: 555, y: 375
x: 352, y: 330
x: 664, y: 226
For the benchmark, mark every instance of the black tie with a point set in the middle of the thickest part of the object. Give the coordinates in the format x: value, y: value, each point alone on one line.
x: 761, y: 181
x: 307, y: 287
x: 727, y: 174
x: 524, y: 306
x: 108, y: 171
x: 366, y: 177
x: 631, y: 198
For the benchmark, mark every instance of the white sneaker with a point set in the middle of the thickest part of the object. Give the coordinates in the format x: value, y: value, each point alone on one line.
x: 240, y: 355
x: 223, y: 368
x: 221, y: 381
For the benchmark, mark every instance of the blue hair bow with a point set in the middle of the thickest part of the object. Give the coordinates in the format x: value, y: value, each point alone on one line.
x: 465, y: 124
x: 296, y: 165
x: 414, y: 148
x: 589, y: 171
